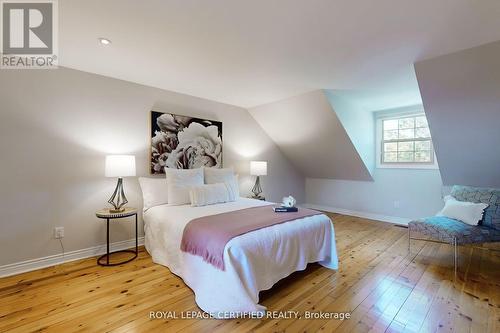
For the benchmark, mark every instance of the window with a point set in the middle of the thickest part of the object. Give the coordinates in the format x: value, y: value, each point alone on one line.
x: 406, y: 140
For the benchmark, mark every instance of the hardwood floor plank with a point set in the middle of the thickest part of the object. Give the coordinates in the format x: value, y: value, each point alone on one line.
x: 354, y: 270
x: 382, y: 286
x: 382, y: 308
x: 416, y: 306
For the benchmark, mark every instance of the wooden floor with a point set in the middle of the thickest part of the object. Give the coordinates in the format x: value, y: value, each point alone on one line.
x: 383, y: 287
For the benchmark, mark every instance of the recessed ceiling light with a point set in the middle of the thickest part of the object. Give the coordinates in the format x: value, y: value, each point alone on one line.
x: 104, y: 41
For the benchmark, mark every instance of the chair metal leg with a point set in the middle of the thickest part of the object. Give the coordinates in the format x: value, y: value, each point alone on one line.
x: 454, y: 243
x: 409, y: 240
x: 455, y: 255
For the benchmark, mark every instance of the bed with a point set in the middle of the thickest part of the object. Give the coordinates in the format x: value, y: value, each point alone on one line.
x: 254, y: 261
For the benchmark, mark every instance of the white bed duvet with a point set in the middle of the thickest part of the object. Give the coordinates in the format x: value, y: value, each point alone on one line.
x: 253, y: 262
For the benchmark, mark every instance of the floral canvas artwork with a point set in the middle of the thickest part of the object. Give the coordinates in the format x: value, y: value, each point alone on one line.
x: 183, y: 142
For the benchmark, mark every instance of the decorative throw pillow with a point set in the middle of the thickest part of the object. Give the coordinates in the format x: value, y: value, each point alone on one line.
x: 154, y: 191
x: 467, y: 212
x: 179, y: 182
x: 214, y: 176
x: 209, y: 194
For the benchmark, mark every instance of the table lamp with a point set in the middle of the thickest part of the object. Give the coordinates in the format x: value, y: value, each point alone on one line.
x: 119, y: 166
x: 258, y: 168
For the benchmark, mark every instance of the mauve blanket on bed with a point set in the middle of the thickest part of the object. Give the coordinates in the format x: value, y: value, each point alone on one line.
x: 207, y: 236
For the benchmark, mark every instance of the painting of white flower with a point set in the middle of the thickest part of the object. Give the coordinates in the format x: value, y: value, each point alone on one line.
x: 183, y: 142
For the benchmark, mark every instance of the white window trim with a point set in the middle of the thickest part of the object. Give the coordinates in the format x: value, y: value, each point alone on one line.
x: 379, y: 117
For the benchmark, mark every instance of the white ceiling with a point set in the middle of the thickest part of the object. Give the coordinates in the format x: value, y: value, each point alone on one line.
x: 249, y: 53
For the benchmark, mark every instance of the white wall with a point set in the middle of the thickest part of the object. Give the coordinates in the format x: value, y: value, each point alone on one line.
x: 308, y: 131
x: 461, y: 95
x: 56, y: 126
x: 418, y: 192
x: 314, y: 131
x: 358, y: 123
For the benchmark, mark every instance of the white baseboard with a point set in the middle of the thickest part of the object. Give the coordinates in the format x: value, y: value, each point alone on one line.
x: 34, y: 264
x: 366, y: 215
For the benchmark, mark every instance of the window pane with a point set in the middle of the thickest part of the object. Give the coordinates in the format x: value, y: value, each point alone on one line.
x: 405, y: 157
x: 391, y: 135
x: 422, y: 145
x: 390, y: 157
x: 406, y: 123
x: 406, y: 140
x: 406, y: 146
x: 406, y: 134
x: 422, y: 133
x: 390, y: 124
x: 421, y: 122
x: 391, y: 146
x: 423, y: 156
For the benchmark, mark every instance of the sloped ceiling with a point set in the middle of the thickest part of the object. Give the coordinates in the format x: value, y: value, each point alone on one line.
x: 310, y: 134
x: 358, y: 123
x: 249, y: 53
x: 461, y: 97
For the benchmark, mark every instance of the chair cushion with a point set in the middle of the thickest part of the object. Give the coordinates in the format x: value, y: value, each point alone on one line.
x: 445, y: 229
x: 491, y: 217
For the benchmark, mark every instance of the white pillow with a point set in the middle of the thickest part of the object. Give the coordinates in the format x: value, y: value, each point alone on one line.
x: 179, y: 182
x: 467, y: 212
x: 215, y: 176
x: 210, y: 194
x: 154, y: 191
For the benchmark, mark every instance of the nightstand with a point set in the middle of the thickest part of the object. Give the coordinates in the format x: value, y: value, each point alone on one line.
x: 105, y: 214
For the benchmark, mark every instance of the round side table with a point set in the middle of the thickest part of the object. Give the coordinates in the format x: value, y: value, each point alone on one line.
x: 107, y: 215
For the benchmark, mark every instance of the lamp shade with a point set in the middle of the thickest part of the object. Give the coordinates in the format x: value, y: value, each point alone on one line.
x: 120, y: 166
x: 258, y: 168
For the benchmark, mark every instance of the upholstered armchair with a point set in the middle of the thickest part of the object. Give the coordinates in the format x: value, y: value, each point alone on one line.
x: 444, y: 229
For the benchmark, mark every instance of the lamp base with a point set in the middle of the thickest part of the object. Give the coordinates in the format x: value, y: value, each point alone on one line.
x: 257, y: 189
x: 118, y: 200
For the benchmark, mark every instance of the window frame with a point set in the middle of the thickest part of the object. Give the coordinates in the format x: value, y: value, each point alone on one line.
x: 379, y: 132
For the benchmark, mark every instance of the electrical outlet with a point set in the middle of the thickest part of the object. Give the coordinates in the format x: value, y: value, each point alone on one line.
x: 396, y: 204
x: 58, y: 232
